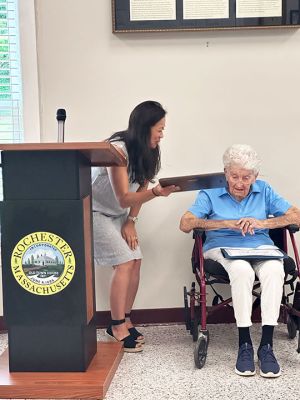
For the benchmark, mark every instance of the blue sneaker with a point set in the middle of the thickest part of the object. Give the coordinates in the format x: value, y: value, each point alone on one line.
x: 269, y: 367
x: 245, y: 361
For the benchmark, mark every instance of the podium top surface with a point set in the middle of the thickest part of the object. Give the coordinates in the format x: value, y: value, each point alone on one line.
x: 99, y: 153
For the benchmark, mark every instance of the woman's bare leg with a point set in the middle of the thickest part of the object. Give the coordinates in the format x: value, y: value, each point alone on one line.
x: 133, y: 285
x: 120, y: 284
x: 132, y: 291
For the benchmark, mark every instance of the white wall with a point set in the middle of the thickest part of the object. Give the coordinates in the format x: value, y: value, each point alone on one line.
x: 219, y: 88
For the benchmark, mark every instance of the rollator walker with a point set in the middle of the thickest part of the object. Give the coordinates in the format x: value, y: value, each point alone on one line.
x: 209, y: 272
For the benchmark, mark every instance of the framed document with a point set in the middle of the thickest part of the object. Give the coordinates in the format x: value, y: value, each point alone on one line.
x: 248, y: 253
x: 195, y: 182
x: 194, y: 15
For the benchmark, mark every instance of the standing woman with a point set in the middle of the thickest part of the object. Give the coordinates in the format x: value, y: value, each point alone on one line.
x: 118, y: 194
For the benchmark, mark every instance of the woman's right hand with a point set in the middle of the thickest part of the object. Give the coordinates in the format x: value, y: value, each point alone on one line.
x: 129, y: 234
x: 165, y: 191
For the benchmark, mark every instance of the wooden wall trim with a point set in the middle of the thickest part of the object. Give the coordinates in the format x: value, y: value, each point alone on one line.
x: 171, y: 316
x: 162, y: 316
x: 2, y: 325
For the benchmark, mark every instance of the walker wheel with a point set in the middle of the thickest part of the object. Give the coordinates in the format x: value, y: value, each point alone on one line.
x: 256, y: 303
x: 215, y: 301
x: 291, y: 326
x: 187, y: 312
x: 200, y: 351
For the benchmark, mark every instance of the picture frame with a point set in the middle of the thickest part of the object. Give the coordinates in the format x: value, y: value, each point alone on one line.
x: 129, y: 16
x: 195, y: 182
x: 252, y: 254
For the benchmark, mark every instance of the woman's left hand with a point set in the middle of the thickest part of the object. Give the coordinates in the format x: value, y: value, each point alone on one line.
x: 249, y: 224
x: 166, y: 190
x: 129, y: 234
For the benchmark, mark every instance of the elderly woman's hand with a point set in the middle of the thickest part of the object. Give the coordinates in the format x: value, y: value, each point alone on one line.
x: 249, y: 224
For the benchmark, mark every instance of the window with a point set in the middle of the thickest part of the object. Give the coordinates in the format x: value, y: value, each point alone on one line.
x: 18, y: 35
x: 19, y: 101
x: 11, y: 110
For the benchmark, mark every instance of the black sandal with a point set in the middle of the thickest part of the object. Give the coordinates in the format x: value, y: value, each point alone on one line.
x: 130, y: 345
x: 138, y: 336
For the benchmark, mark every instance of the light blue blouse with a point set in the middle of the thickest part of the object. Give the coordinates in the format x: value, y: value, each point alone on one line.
x: 261, y: 203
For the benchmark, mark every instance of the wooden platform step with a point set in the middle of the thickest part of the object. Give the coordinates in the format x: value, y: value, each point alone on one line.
x: 92, y: 384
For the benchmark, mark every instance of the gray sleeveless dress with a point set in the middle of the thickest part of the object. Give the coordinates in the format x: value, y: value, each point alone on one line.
x: 108, y: 217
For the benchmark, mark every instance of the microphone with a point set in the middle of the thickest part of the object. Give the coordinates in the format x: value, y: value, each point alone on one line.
x: 61, y: 117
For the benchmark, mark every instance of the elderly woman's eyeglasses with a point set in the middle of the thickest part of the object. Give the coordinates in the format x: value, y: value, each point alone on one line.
x: 243, y: 178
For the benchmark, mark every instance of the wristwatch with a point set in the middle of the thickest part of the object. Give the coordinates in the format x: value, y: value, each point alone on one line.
x: 133, y: 219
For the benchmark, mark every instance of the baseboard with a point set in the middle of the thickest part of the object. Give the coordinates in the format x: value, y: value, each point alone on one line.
x: 3, y: 327
x: 172, y: 316
x: 152, y: 316
x: 164, y: 316
x: 146, y: 316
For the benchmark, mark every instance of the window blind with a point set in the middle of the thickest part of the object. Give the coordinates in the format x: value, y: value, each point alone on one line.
x: 11, y: 113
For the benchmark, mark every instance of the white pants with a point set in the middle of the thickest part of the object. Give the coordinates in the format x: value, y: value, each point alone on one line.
x: 242, y: 275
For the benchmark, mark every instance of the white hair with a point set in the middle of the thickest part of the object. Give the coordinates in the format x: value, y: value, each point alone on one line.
x: 242, y: 155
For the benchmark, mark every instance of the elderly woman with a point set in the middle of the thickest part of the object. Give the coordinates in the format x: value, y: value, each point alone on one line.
x: 239, y: 216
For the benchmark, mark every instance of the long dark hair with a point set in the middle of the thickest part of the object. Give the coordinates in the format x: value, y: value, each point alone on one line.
x: 144, y: 162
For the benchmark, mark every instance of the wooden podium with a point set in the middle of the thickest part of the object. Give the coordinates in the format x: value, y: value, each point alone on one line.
x: 47, y: 268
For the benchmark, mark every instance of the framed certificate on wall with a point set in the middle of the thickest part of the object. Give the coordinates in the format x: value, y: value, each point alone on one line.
x: 194, y: 15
